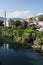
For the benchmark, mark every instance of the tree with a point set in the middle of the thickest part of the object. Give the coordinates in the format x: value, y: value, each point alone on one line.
x: 41, y: 18
x: 24, y: 24
x: 1, y: 23
x: 18, y: 23
x: 38, y: 41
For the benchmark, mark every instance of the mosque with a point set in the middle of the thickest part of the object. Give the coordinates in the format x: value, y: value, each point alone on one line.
x: 7, y: 21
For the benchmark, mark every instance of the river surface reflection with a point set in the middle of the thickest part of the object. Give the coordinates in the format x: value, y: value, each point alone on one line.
x: 11, y: 56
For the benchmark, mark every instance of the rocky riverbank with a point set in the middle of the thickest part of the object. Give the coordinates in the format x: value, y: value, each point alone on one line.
x: 38, y: 48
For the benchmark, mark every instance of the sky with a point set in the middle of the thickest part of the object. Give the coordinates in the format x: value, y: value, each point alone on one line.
x: 21, y: 8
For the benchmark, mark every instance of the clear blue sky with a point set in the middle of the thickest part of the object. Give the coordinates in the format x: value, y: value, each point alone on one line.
x: 35, y: 6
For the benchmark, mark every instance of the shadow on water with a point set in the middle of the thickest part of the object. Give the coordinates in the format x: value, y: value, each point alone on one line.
x: 0, y: 63
x: 15, y: 54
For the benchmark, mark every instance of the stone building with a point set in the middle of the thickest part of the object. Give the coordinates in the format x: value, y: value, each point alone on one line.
x: 7, y: 21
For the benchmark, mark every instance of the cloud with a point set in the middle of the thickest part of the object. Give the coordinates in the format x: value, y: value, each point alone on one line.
x: 39, y: 14
x: 18, y: 14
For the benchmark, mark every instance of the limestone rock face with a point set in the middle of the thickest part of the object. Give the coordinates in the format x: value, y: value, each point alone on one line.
x: 36, y: 46
x: 42, y: 47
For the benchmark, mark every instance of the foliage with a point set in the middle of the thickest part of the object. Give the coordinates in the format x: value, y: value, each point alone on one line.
x: 21, y: 33
x: 41, y: 18
x: 1, y: 23
x: 38, y: 41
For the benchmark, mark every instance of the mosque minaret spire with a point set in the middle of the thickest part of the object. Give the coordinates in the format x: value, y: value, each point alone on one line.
x: 5, y: 18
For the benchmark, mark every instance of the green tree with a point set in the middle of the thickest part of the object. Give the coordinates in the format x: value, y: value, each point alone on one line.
x: 24, y: 24
x: 41, y: 18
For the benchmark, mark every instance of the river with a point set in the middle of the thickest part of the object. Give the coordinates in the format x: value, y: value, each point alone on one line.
x: 10, y: 56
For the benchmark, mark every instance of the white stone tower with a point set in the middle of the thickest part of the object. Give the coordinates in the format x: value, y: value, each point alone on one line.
x: 7, y: 22
x: 5, y: 18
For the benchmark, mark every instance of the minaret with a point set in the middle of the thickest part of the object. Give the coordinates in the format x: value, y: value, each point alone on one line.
x: 5, y: 18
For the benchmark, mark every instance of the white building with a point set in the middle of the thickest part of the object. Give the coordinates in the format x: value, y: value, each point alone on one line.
x: 40, y: 23
x: 7, y: 22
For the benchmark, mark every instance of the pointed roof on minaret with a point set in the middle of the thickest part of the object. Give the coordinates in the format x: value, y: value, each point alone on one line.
x: 5, y: 13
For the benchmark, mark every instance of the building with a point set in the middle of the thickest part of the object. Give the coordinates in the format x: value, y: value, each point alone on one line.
x: 7, y: 21
x: 28, y: 20
x: 40, y: 23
